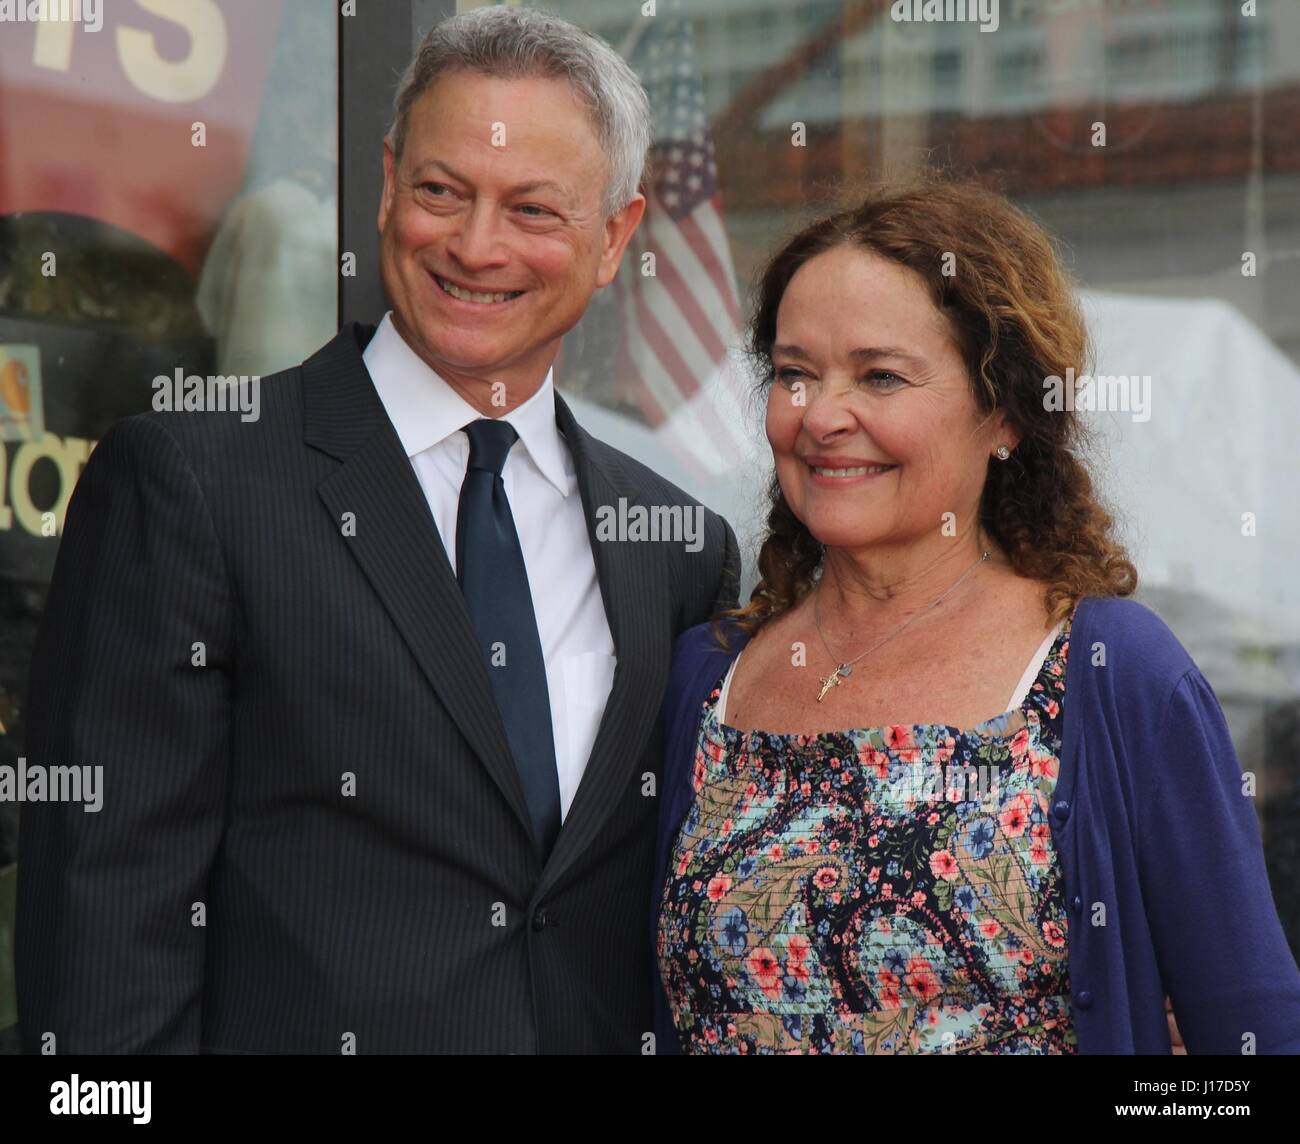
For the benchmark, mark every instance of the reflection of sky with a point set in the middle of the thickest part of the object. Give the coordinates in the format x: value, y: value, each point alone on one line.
x: 1044, y: 54
x: 1136, y: 57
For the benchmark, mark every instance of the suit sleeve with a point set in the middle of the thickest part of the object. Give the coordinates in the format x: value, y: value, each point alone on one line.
x: 729, y: 576
x: 1222, y: 953
x: 131, y: 674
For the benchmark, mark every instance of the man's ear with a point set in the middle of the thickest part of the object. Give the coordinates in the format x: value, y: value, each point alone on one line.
x: 390, y: 184
x: 619, y: 228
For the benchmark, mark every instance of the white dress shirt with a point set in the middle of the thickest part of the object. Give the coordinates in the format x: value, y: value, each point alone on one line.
x: 542, y: 487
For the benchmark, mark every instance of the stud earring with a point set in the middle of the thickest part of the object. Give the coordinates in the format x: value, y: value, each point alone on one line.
x: 1003, y: 453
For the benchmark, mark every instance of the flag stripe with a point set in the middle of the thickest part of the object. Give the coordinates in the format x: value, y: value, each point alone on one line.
x: 722, y: 276
x: 654, y: 335
x: 689, y: 305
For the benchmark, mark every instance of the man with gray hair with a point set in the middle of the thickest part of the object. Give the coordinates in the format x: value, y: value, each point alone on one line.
x: 375, y: 706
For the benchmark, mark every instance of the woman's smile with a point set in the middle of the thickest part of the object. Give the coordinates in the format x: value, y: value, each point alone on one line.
x: 837, y: 472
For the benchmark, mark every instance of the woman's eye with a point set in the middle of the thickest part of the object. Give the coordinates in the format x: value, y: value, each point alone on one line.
x: 876, y: 379
x: 884, y: 379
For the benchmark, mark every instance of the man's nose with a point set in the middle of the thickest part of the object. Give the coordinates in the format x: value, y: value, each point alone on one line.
x: 477, y: 243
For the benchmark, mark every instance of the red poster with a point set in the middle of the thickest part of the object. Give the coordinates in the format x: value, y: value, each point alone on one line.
x: 144, y: 122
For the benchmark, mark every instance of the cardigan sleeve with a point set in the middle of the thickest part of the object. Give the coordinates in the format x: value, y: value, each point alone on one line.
x: 697, y: 662
x: 1223, y: 957
x: 678, y: 707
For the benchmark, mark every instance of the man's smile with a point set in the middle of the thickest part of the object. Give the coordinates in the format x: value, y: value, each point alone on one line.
x: 475, y: 297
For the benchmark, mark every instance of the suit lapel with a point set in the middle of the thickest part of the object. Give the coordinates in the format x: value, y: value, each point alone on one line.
x: 630, y: 575
x: 396, y: 543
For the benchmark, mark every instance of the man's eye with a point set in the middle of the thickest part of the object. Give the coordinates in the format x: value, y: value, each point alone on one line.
x: 541, y: 212
x: 432, y: 188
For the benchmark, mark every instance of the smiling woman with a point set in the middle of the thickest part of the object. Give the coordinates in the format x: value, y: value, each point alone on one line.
x: 971, y: 320
x: 935, y: 553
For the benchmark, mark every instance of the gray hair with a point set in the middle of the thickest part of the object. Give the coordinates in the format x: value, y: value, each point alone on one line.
x: 518, y: 43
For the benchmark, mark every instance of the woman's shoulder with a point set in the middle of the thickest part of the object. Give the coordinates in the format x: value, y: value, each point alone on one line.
x: 699, y: 659
x: 1128, y: 639
x: 717, y: 637
x: 700, y: 653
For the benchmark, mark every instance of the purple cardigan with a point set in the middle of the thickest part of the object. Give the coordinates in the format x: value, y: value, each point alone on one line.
x: 1149, y: 821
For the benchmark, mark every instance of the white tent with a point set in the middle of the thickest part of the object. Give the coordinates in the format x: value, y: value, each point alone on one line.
x: 1209, y: 484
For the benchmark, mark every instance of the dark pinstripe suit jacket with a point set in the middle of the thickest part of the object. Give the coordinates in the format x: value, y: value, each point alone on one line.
x: 312, y: 833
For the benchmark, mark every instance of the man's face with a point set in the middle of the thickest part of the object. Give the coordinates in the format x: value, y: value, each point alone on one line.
x: 492, y: 235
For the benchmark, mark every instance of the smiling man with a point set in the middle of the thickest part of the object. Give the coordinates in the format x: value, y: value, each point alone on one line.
x: 375, y: 707
x: 495, y: 229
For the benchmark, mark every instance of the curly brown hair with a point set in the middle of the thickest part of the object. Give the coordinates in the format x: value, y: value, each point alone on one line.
x: 1011, y: 306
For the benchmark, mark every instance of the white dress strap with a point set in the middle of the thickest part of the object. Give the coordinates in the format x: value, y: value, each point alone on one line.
x: 1035, y: 666
x: 726, y: 686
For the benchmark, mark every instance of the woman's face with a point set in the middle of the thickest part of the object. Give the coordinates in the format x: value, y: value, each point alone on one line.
x: 872, y: 422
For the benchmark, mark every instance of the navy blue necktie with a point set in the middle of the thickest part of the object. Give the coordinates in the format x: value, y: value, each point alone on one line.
x: 493, y: 578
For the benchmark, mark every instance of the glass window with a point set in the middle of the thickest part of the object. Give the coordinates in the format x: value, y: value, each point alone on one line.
x: 1183, y: 230
x: 167, y: 203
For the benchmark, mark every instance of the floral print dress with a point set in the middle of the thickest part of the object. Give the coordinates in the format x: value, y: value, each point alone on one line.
x: 885, y: 890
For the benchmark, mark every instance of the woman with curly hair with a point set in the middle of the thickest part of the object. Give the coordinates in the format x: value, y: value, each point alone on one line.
x: 939, y: 786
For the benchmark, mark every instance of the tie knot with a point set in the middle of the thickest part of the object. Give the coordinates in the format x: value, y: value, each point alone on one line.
x: 489, y: 442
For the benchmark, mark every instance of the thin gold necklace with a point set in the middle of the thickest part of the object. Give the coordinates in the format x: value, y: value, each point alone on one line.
x: 845, y: 669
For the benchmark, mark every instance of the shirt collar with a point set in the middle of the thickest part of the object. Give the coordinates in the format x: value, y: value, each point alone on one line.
x: 425, y: 410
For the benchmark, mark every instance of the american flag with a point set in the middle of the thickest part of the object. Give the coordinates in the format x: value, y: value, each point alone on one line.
x: 680, y: 325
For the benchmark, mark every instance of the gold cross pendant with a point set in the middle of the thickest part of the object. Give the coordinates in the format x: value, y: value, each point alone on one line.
x: 832, y: 680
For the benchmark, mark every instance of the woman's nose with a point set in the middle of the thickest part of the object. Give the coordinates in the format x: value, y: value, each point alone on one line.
x: 827, y: 412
